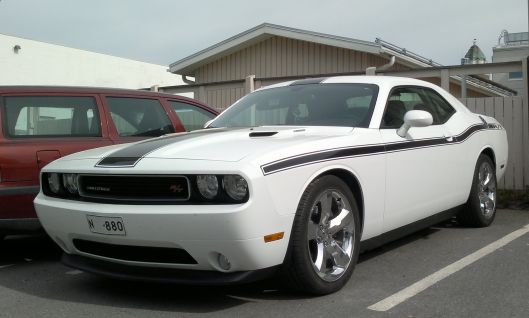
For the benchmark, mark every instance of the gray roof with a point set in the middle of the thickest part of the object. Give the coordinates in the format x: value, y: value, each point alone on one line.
x: 189, y: 64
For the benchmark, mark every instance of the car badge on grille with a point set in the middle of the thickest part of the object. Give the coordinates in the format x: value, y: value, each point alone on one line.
x: 95, y: 188
x: 174, y: 188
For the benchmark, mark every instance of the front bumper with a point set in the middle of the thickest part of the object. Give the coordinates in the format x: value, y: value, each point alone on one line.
x: 203, y: 231
x: 164, y: 275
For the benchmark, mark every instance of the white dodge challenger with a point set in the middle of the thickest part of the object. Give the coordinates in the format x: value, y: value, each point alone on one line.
x: 295, y: 178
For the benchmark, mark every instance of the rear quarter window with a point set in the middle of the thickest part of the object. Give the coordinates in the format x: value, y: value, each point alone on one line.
x: 192, y: 117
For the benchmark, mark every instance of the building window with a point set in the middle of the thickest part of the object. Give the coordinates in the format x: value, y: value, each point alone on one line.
x: 515, y: 75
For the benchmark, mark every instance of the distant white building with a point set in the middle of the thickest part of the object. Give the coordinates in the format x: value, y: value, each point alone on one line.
x: 28, y: 62
x: 511, y: 47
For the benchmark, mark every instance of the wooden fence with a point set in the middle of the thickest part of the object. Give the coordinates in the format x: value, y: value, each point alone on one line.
x: 510, y: 113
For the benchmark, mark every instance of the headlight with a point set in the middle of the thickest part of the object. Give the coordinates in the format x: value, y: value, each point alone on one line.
x: 235, y: 186
x: 70, y: 182
x: 208, y: 185
x: 54, y: 182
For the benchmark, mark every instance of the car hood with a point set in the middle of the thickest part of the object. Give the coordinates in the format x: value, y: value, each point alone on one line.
x: 217, y: 144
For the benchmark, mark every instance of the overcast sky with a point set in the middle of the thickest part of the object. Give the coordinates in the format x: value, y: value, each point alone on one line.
x: 163, y: 31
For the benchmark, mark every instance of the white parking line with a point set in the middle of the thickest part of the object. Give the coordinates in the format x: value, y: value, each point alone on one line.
x: 412, y: 290
x: 6, y: 266
x: 74, y: 272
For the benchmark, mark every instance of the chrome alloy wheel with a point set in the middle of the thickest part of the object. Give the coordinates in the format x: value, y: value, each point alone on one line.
x: 487, y: 189
x: 331, y: 235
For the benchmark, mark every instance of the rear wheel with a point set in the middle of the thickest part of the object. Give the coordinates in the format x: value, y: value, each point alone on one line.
x: 480, y: 208
x: 325, y: 238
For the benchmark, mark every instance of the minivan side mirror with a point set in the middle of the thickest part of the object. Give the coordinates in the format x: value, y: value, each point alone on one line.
x: 414, y: 118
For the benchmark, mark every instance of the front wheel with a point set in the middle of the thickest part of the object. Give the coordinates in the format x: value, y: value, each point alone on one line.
x: 324, y: 243
x: 480, y: 208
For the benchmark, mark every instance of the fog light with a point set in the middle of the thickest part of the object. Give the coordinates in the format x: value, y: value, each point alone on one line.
x: 70, y: 182
x: 208, y: 185
x: 54, y: 182
x: 224, y: 263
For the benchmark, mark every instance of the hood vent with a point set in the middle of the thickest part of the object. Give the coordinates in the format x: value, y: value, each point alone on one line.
x: 262, y: 133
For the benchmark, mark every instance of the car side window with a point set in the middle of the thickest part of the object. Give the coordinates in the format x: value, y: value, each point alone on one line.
x: 440, y: 107
x: 139, y: 117
x: 192, y: 117
x: 400, y: 101
x: 51, y: 116
x: 403, y: 99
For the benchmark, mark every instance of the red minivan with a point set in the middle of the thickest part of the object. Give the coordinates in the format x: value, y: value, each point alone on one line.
x: 41, y: 124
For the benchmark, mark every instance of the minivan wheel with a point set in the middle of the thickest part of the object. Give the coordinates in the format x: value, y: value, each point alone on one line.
x: 324, y: 243
x: 480, y: 208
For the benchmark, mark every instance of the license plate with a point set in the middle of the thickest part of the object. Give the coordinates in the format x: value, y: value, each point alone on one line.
x: 106, y: 225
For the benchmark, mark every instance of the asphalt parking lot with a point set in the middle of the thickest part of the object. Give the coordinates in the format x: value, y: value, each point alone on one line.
x: 443, y: 271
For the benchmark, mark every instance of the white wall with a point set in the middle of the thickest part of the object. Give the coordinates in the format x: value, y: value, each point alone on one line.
x: 39, y: 63
x: 506, y: 54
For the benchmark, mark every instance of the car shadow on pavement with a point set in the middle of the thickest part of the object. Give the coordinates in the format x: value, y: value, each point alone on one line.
x: 423, y: 234
x: 25, y: 248
x: 419, y: 235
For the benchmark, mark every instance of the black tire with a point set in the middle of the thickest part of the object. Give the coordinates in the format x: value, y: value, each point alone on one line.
x: 475, y: 213
x: 299, y: 267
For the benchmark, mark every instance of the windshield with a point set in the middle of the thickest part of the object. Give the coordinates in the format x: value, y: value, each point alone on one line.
x: 349, y: 105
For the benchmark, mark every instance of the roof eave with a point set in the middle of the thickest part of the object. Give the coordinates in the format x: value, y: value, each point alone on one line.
x: 187, y: 65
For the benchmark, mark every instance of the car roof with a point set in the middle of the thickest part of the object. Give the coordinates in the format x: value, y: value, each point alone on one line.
x: 378, y: 80
x: 17, y: 89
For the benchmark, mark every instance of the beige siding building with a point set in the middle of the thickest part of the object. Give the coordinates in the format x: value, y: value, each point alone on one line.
x: 274, y: 53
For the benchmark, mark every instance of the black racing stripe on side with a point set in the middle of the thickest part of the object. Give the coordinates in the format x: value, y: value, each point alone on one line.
x: 434, y: 141
x: 129, y: 156
x: 309, y: 81
x: 322, y: 156
x: 334, y: 154
x: 469, y: 132
x: 415, y: 144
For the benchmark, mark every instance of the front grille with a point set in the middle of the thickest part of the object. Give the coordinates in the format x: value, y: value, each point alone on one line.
x: 134, y: 188
x: 146, y: 254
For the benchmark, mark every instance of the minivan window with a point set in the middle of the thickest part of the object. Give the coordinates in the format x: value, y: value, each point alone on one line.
x: 192, y: 117
x: 139, y: 117
x: 51, y: 116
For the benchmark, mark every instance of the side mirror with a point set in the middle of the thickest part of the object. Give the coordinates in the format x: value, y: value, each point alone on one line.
x: 414, y: 118
x: 207, y: 123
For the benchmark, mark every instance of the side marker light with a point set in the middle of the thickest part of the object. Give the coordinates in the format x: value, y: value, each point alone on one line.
x: 273, y: 237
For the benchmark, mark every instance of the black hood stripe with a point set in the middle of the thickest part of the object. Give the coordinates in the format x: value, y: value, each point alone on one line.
x: 357, y: 151
x: 129, y: 156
